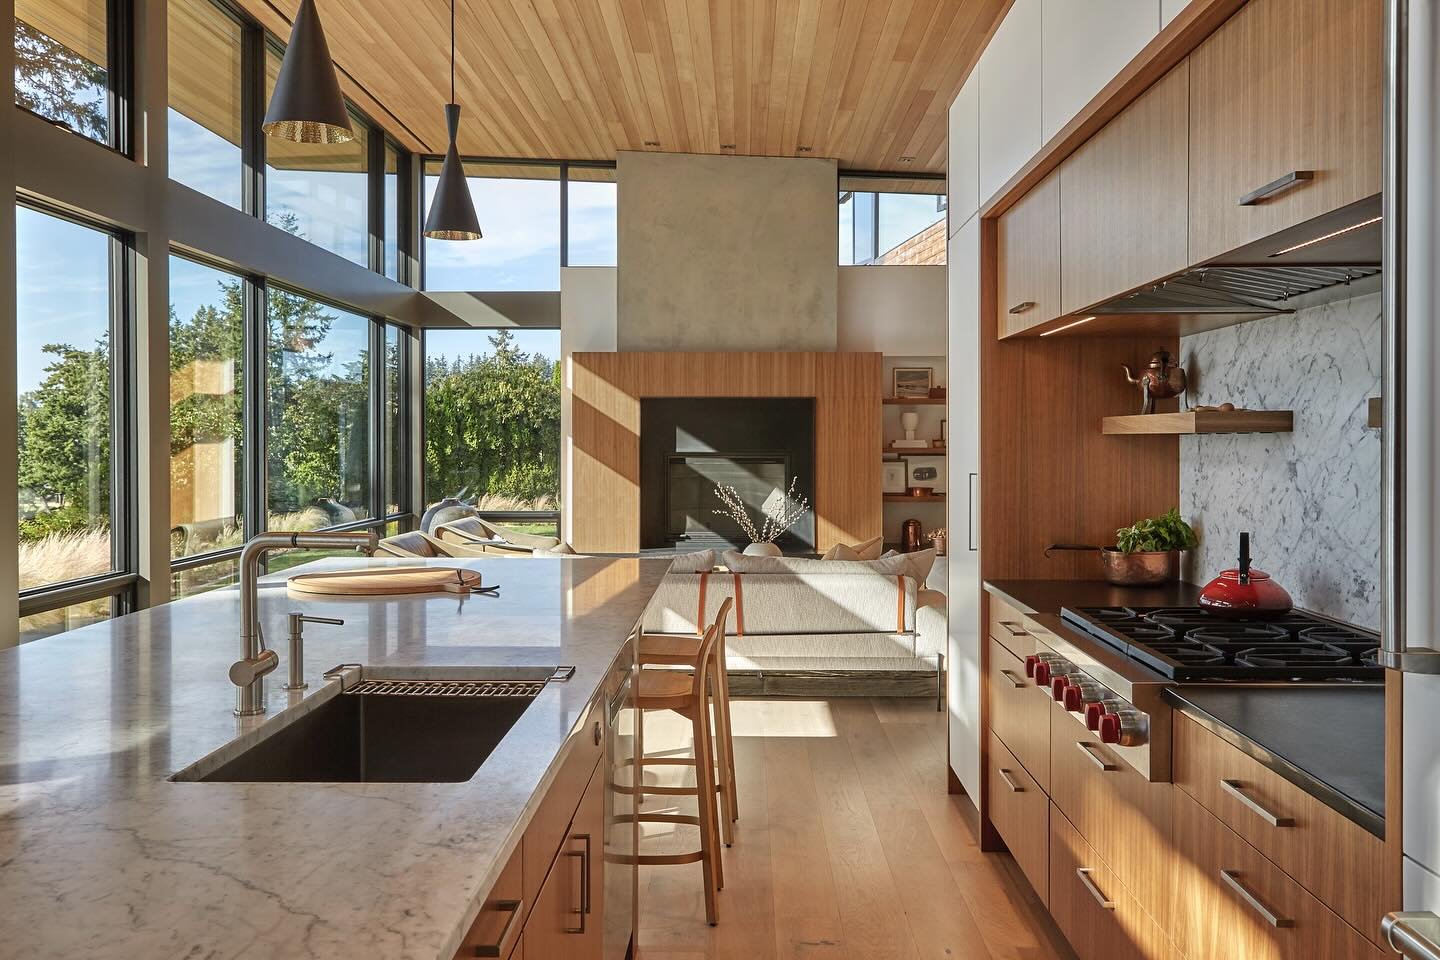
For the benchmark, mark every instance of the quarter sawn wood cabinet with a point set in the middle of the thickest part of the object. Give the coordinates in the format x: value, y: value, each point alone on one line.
x: 566, y: 918
x: 1028, y: 265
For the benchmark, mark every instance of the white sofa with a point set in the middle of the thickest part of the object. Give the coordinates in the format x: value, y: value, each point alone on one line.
x: 857, y: 628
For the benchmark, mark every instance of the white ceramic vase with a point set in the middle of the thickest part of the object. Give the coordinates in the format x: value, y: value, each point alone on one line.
x: 762, y: 550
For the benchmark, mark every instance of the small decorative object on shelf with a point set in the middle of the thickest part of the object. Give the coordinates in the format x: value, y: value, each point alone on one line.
x: 937, y: 393
x: 911, y: 383
x: 911, y: 536
x: 1161, y: 379
x: 927, y: 471
x: 938, y: 538
x: 892, y: 476
x: 919, y: 491
x: 781, y: 512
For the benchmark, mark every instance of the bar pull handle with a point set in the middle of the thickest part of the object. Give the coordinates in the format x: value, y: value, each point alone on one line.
x: 584, y: 857
x: 1084, y: 874
x: 1232, y: 880
x: 1010, y: 781
x: 1088, y: 748
x: 498, y: 948
x: 1275, y: 186
x: 1237, y: 790
x: 1013, y: 628
x: 1022, y: 306
x: 1014, y: 679
x: 970, y: 542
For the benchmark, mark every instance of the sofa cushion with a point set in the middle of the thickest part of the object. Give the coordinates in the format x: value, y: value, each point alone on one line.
x: 701, y: 561
x: 864, y: 550
x: 824, y: 602
x: 737, y: 562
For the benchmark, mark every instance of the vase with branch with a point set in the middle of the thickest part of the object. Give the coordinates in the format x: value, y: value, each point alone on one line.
x: 779, y: 513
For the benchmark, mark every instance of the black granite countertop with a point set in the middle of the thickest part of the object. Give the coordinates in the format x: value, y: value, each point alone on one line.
x: 1327, y: 739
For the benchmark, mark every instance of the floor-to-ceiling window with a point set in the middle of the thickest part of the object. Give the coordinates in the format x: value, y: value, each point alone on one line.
x: 392, y: 215
x: 395, y: 435
x: 71, y: 289
x: 519, y: 210
x: 62, y: 64
x: 205, y: 116
x: 492, y: 419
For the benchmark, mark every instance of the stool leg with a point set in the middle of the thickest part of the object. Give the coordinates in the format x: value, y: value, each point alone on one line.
x: 705, y: 797
x: 721, y: 727
x: 722, y: 700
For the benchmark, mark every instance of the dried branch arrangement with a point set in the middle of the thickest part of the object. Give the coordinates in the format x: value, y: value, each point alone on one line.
x: 780, y: 513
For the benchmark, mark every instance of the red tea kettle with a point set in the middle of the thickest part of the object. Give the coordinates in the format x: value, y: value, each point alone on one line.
x: 1244, y: 593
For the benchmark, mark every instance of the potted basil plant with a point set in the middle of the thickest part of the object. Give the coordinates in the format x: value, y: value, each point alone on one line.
x: 1145, y: 553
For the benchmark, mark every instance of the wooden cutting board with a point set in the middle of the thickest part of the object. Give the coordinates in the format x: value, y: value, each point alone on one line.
x: 387, y: 581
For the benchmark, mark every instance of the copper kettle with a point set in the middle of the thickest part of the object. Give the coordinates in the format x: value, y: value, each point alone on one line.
x: 1161, y: 379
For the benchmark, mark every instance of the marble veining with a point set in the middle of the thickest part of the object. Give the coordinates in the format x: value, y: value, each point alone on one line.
x: 102, y: 856
x: 1311, y: 498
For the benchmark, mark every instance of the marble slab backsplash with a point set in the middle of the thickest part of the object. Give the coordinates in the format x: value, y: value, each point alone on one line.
x: 1311, y: 498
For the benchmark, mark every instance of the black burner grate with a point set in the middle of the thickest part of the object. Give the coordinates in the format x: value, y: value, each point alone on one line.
x: 1187, y: 643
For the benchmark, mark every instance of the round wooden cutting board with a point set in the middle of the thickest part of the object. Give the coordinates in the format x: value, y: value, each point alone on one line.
x: 387, y: 581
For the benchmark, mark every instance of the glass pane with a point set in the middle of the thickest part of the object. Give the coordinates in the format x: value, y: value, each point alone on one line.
x: 847, y: 229
x: 319, y: 191
x: 205, y: 100
x: 519, y: 210
x: 198, y: 580
x: 318, y: 423
x: 61, y: 61
x: 591, y: 206
x: 492, y: 417
x: 904, y: 216
x: 207, y: 349
x: 394, y: 451
x: 392, y: 213
x: 63, y: 301
x: 51, y: 622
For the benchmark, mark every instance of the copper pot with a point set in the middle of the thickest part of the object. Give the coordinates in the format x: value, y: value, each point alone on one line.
x: 1143, y: 568
x: 910, y: 536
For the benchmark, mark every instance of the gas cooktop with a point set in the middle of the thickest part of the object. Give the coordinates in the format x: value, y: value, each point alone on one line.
x: 1187, y: 643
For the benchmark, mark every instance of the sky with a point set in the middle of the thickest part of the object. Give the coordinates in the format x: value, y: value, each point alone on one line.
x: 62, y: 290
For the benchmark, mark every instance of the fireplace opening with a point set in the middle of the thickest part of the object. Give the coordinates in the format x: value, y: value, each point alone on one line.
x: 756, y: 446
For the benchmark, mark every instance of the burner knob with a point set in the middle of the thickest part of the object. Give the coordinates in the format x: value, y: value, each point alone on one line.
x: 1073, y: 701
x: 1057, y: 686
x: 1031, y: 662
x: 1042, y: 673
x: 1093, y: 713
x: 1109, y: 728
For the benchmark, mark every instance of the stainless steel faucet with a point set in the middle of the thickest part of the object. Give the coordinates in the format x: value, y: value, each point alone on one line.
x: 248, y: 673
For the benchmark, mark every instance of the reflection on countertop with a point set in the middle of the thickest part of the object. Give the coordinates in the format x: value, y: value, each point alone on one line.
x: 106, y: 857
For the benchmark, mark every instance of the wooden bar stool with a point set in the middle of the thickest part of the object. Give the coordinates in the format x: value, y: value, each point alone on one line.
x: 671, y: 650
x: 687, y: 693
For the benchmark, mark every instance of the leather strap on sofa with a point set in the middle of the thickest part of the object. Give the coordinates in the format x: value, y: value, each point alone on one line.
x: 700, y: 614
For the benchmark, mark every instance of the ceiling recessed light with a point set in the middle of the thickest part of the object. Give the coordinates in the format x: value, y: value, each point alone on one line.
x: 1074, y: 323
x: 804, y: 149
x: 1329, y: 236
x: 907, y: 159
x: 727, y: 146
x: 652, y: 143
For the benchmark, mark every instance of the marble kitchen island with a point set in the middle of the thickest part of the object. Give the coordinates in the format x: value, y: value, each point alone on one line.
x: 102, y: 855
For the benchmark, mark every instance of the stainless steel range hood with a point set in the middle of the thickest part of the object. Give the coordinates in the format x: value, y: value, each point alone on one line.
x: 1252, y: 290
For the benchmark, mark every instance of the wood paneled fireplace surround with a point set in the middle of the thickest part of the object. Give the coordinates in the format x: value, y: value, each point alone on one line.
x: 605, y: 393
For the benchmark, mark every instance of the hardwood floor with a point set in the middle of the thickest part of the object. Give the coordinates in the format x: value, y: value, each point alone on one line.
x: 847, y: 847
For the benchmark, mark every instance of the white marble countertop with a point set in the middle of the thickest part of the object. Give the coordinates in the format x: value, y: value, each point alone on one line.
x: 101, y: 855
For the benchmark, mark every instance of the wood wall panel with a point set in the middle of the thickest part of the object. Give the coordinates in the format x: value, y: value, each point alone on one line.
x: 606, y: 390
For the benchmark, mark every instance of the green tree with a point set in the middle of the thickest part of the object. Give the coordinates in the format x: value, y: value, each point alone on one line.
x: 65, y: 430
x: 58, y: 83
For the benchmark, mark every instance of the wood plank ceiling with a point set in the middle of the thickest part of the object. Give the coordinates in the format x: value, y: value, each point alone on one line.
x: 866, y: 82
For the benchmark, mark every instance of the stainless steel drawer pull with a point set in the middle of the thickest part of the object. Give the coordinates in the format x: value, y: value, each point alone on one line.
x: 1022, y: 306
x: 1010, y: 781
x: 1013, y: 628
x: 1275, y: 186
x: 1236, y: 789
x: 1084, y: 874
x: 1088, y: 748
x: 1014, y: 678
x: 1232, y: 880
x: 512, y: 907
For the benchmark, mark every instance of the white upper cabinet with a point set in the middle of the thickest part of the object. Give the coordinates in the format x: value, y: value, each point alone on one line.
x: 1009, y: 73
x: 963, y: 172
x: 1168, y: 10
x: 1087, y: 42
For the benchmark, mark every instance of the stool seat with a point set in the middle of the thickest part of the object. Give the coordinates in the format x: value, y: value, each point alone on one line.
x: 665, y: 690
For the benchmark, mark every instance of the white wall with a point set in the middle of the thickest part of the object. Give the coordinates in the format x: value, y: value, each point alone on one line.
x: 588, y: 312
x: 895, y: 310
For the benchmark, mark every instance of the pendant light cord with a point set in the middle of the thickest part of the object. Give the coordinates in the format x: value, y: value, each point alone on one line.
x: 452, y: 51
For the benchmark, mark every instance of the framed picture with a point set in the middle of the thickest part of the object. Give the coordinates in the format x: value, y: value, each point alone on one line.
x: 911, y: 383
x: 925, y: 472
x: 892, y: 476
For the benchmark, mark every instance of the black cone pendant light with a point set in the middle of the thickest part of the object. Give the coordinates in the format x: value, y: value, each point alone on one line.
x: 306, y: 106
x: 452, y: 212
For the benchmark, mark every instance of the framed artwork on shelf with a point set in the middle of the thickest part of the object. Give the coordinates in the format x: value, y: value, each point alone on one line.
x: 925, y: 472
x: 892, y: 476
x: 911, y: 383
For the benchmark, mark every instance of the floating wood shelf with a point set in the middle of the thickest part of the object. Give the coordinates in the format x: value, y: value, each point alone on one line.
x: 906, y: 498
x: 914, y: 451
x: 1201, y: 421
x: 911, y: 402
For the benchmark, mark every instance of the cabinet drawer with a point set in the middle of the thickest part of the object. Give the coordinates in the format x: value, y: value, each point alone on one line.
x: 1338, y: 861
x: 1230, y: 901
x: 1028, y: 261
x: 1098, y: 916
x: 547, y: 830
x: 496, y: 930
x: 1020, y: 713
x: 1019, y: 809
x: 1007, y: 626
x: 1126, y: 818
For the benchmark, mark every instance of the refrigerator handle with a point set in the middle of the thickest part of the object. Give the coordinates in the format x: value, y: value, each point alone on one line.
x: 1414, y: 935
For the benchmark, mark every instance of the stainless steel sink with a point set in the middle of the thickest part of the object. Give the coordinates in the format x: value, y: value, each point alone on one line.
x: 380, y: 731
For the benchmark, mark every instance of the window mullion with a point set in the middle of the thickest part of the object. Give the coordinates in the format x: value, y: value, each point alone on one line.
x: 253, y: 427
x: 378, y: 374
x: 252, y: 114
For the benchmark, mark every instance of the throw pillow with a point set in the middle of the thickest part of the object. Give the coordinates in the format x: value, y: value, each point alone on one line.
x: 702, y: 561
x: 864, y: 550
x: 918, y: 564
